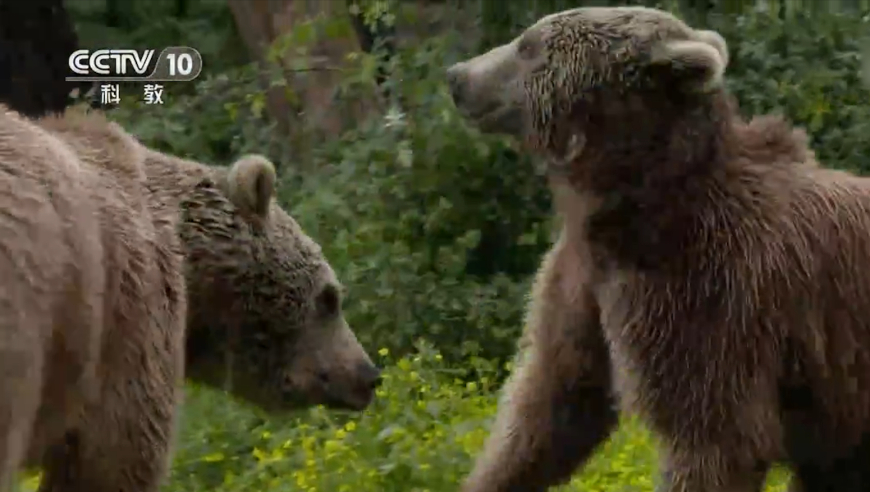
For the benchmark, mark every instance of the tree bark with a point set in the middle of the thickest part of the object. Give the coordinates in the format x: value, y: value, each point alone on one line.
x: 254, y: 21
x: 36, y: 40
x: 315, y: 114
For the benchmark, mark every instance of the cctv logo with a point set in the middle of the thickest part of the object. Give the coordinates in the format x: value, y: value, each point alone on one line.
x: 108, y: 64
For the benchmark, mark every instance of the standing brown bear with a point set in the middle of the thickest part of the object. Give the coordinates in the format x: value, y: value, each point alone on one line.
x: 122, y: 268
x: 710, y: 276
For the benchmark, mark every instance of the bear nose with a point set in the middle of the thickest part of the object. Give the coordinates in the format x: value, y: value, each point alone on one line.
x: 456, y: 82
x: 370, y: 376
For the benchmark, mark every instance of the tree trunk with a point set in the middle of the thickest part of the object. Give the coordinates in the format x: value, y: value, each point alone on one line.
x: 36, y: 40
x: 260, y: 23
x: 254, y: 22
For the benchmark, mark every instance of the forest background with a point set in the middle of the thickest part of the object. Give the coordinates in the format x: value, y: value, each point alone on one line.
x: 435, y: 229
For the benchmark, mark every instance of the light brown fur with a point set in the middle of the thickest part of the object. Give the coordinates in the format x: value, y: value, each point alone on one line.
x: 123, y: 267
x: 709, y: 275
x: 94, y: 290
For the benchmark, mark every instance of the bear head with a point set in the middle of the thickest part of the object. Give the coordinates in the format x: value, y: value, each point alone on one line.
x: 265, y: 307
x: 605, y: 73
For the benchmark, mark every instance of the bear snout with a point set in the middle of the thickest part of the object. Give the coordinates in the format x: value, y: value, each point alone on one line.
x: 369, y: 376
x: 352, y: 389
x: 456, y: 81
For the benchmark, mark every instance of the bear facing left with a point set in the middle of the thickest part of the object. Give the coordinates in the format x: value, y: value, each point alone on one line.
x: 126, y: 270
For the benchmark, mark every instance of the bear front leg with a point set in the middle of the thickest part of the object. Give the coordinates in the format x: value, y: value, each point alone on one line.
x: 694, y: 472
x: 123, y: 445
x: 21, y: 367
x: 123, y: 441
x: 557, y: 408
x: 129, y: 456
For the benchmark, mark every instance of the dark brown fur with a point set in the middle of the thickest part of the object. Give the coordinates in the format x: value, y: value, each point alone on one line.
x: 709, y: 277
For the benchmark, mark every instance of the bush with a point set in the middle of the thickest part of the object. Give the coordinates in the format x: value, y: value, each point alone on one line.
x: 808, y: 67
x: 435, y: 229
x: 421, y: 434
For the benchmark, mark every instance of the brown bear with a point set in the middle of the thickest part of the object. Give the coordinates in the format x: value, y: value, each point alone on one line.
x: 709, y: 275
x: 125, y: 269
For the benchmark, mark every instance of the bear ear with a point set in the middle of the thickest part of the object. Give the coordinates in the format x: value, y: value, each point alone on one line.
x: 699, y: 61
x: 251, y: 184
x: 715, y: 40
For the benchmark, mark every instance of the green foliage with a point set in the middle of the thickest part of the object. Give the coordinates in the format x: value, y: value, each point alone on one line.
x: 421, y: 434
x: 808, y: 67
x: 435, y: 228
x: 436, y: 231
x: 208, y: 27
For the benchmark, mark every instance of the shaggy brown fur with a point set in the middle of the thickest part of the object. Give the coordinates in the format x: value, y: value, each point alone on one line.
x: 709, y: 275
x: 108, y: 250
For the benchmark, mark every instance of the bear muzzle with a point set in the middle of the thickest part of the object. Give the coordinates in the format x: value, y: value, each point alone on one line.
x: 485, y: 104
x: 355, y: 392
x: 456, y: 81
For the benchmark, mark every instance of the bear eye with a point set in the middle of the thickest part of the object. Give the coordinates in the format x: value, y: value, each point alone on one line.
x: 526, y: 48
x: 328, y: 301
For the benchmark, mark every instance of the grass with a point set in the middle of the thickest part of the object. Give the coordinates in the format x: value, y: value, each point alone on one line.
x: 420, y: 436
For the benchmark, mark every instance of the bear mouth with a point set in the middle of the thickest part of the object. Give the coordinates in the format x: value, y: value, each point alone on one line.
x: 355, y: 401
x: 498, y: 118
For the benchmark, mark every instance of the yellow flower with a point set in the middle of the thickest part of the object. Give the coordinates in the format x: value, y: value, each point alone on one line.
x: 350, y: 426
x: 384, y: 352
x: 301, y: 480
x: 259, y: 454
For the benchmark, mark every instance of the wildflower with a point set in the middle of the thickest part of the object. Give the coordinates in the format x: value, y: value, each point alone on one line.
x: 259, y: 455
x: 384, y: 352
x: 301, y: 479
